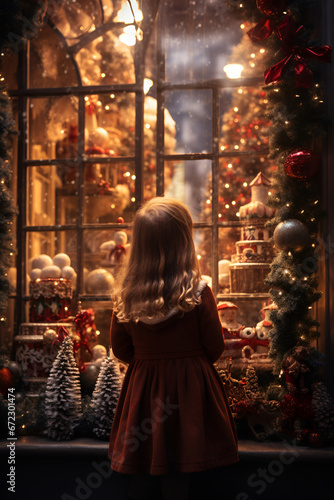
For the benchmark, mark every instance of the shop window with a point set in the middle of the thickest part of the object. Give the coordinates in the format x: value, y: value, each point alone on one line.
x: 108, y: 123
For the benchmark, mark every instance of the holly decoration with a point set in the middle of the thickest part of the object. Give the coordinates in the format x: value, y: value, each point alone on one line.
x: 302, y: 164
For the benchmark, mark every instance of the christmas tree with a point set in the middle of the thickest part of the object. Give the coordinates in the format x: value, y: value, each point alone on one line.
x: 104, y: 399
x: 62, y: 395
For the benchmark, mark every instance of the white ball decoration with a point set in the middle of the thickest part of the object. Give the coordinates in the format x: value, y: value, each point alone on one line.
x: 51, y: 272
x: 61, y: 260
x: 35, y: 273
x: 41, y: 261
x: 99, y: 281
x: 68, y: 273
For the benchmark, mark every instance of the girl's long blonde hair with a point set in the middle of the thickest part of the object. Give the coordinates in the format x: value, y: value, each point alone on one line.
x: 162, y: 270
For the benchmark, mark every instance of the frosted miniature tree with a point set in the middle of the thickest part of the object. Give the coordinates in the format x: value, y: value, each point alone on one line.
x: 63, y: 395
x: 104, y: 399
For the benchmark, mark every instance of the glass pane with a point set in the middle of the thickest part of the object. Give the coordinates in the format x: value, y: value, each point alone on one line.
x: 227, y: 238
x: 110, y: 124
x: 191, y: 112
x: 7, y: 328
x: 8, y: 69
x: 102, y: 313
x: 235, y: 175
x: 41, y: 250
x: 50, y: 64
x: 43, y: 183
x: 203, y: 245
x: 109, y: 192
x: 53, y: 128
x: 244, y: 125
x: 188, y: 181
x: 198, y: 39
x: 102, y: 259
x: 106, y: 61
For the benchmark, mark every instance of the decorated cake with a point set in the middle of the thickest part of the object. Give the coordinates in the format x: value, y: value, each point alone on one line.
x: 50, y: 299
x: 251, y: 264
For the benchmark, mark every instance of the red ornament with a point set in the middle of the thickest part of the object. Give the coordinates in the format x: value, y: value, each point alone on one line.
x: 302, y: 164
x: 271, y: 7
x: 120, y: 220
x: 7, y: 380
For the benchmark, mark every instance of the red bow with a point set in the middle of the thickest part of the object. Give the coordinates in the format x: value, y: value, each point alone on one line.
x: 117, y: 252
x: 304, y: 77
x: 262, y: 30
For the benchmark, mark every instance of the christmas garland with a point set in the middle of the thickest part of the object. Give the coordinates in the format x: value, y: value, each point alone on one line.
x: 296, y: 124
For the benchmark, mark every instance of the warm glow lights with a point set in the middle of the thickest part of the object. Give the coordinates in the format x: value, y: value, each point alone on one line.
x: 130, y: 15
x: 233, y: 70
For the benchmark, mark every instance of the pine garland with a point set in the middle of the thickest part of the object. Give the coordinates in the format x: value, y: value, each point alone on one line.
x: 296, y: 123
x: 7, y: 208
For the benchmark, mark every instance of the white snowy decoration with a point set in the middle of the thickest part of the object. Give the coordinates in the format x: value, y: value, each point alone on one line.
x: 104, y: 399
x: 51, y: 272
x: 35, y: 273
x: 99, y: 281
x: 61, y: 260
x: 41, y: 261
x: 63, y: 395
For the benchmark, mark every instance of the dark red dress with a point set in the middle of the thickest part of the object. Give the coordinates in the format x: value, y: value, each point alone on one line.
x: 172, y: 414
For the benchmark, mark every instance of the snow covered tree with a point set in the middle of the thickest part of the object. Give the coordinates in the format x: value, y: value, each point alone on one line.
x: 323, y: 408
x: 63, y: 395
x: 104, y: 399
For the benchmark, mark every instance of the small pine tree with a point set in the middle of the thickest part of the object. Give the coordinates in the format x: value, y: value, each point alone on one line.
x: 104, y: 399
x: 252, y: 389
x: 323, y: 408
x: 63, y: 395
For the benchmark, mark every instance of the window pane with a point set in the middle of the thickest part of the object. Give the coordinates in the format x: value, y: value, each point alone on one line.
x: 53, y: 128
x: 50, y: 65
x: 102, y: 313
x: 110, y: 124
x: 109, y: 192
x: 227, y: 238
x: 102, y: 258
x: 203, y: 245
x: 106, y: 61
x: 191, y: 112
x: 244, y: 125
x: 43, y: 184
x: 198, y: 39
x: 235, y: 175
x: 41, y: 249
x: 188, y: 181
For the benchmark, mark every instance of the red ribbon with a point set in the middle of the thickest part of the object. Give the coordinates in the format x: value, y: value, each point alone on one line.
x: 262, y: 30
x: 287, y: 33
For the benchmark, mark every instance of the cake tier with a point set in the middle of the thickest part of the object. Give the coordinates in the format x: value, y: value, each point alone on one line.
x: 50, y: 299
x: 248, y: 277
x: 253, y: 251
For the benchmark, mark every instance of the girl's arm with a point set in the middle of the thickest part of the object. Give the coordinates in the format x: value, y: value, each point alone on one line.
x: 210, y: 328
x: 120, y: 340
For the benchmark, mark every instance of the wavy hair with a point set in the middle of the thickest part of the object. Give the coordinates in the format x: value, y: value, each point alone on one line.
x: 162, y: 270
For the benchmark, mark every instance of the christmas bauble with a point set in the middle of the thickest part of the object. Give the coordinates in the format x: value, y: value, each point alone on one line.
x: 99, y: 281
x: 291, y: 235
x: 61, y: 260
x: 271, y: 7
x: 15, y: 369
x: 88, y: 378
x: 49, y: 336
x: 302, y: 164
x: 51, y: 272
x: 7, y: 380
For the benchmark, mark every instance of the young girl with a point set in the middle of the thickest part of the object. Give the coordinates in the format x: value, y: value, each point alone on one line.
x: 173, y: 416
